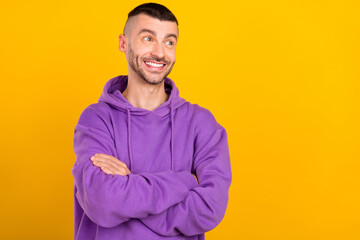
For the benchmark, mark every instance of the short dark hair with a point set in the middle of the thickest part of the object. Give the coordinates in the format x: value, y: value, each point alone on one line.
x: 154, y: 10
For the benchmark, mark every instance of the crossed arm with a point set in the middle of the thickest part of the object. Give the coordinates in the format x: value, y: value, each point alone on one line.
x: 111, y: 165
x: 171, y: 203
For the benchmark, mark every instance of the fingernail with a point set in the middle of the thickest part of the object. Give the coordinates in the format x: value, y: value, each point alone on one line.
x: 92, y: 158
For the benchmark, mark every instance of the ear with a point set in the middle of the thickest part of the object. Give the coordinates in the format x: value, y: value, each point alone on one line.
x: 122, y: 43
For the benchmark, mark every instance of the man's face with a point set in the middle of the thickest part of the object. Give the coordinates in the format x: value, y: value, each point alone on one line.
x: 150, y: 47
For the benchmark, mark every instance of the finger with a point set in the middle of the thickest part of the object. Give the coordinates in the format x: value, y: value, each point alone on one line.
x: 105, y: 164
x: 111, y: 158
x: 107, y: 171
x: 106, y: 168
x: 105, y: 157
x: 106, y: 160
x: 114, y: 169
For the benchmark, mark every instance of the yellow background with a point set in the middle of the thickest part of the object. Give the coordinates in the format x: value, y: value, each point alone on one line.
x: 281, y: 76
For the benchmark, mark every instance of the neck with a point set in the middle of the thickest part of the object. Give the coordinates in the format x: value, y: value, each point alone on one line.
x: 144, y: 95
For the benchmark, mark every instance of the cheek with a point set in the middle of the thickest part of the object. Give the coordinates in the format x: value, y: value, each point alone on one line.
x: 141, y: 50
x: 172, y: 55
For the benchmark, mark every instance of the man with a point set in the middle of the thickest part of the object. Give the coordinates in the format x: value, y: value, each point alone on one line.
x: 149, y: 165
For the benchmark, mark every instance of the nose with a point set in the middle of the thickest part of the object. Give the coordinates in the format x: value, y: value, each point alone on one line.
x: 158, y: 50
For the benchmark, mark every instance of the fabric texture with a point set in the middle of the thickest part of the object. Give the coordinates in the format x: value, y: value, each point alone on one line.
x: 160, y: 199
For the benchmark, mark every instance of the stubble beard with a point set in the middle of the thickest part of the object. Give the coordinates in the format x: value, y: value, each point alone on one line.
x: 135, y: 64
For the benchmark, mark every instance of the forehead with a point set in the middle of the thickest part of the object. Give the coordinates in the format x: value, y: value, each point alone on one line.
x: 140, y: 22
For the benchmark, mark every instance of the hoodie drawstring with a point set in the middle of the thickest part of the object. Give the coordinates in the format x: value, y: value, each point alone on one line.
x: 171, y: 140
x: 172, y: 135
x: 129, y: 145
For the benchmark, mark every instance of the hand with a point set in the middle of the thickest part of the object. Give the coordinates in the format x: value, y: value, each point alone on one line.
x: 110, y: 164
x: 196, y: 178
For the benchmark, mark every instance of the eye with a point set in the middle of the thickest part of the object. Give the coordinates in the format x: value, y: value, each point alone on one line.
x: 170, y: 43
x: 148, y: 39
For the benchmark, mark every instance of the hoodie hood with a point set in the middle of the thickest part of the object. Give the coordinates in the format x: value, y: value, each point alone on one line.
x: 112, y: 95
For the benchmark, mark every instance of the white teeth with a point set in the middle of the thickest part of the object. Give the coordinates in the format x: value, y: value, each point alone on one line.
x: 154, y: 64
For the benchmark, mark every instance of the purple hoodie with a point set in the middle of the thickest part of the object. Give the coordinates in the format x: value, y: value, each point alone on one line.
x: 160, y: 199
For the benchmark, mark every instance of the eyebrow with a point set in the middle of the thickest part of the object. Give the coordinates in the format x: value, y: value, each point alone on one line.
x: 153, y: 33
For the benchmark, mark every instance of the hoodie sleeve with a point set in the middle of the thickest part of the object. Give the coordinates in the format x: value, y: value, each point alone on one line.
x: 204, y: 208
x: 111, y: 200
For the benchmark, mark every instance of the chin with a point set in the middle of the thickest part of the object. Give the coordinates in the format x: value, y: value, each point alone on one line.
x: 154, y: 82
x: 153, y: 79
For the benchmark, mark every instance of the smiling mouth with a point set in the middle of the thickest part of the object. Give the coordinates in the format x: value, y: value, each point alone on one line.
x: 154, y: 65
